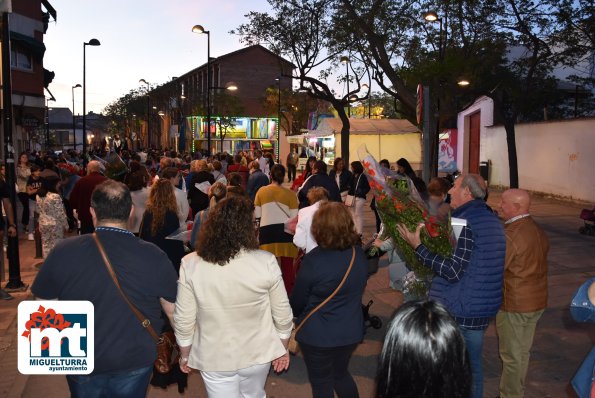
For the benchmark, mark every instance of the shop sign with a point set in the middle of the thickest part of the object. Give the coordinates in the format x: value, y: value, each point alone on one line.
x: 29, y: 121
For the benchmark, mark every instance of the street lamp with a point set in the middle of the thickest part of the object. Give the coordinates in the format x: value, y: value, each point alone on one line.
x: 47, y: 122
x: 277, y: 149
x: 345, y: 60
x: 73, y: 119
x: 200, y: 29
x: 92, y: 42
x: 432, y: 16
x: 143, y: 81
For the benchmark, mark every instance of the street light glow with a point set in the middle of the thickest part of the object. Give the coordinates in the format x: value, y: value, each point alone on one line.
x: 431, y: 16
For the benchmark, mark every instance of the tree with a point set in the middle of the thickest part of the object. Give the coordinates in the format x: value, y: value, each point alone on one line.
x: 228, y: 107
x: 507, y: 48
x: 300, y: 31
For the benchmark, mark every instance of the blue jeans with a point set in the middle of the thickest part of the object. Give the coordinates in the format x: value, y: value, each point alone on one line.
x: 130, y: 384
x: 474, y: 342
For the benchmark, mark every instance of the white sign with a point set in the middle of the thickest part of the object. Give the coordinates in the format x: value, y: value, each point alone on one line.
x: 56, y: 337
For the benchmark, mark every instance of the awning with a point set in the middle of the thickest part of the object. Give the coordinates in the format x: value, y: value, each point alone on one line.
x: 36, y: 47
x: 50, y: 9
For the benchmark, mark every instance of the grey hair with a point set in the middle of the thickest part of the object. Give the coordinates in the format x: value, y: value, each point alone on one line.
x: 476, y: 184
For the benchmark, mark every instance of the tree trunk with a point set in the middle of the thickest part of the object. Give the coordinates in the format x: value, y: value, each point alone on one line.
x: 512, y: 155
x: 344, y: 134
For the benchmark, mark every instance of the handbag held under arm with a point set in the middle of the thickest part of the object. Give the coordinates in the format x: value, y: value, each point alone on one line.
x: 293, y: 346
x: 166, y: 342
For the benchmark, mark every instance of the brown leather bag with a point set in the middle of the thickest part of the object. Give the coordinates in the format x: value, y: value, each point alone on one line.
x: 166, y: 343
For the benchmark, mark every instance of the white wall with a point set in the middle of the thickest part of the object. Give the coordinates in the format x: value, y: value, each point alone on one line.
x: 553, y: 157
x: 484, y: 105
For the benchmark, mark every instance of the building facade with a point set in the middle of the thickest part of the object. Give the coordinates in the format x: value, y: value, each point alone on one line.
x: 28, y: 22
x: 178, y: 109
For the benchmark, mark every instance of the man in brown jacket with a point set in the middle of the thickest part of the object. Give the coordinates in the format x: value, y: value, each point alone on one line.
x: 524, y: 290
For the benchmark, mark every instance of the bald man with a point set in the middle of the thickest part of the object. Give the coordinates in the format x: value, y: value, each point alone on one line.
x: 525, y: 290
x: 80, y: 197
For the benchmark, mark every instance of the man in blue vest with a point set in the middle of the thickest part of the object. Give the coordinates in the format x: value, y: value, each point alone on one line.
x: 469, y: 282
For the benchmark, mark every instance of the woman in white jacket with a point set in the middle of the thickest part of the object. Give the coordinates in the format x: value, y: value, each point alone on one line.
x: 232, y: 318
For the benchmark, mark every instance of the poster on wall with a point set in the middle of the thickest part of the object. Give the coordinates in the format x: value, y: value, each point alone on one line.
x: 447, y: 151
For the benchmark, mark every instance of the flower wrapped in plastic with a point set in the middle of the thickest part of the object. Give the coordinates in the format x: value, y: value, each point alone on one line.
x: 115, y: 168
x: 67, y: 170
x: 399, y: 202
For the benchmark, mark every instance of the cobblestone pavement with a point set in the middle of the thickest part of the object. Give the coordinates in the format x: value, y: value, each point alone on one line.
x: 559, y: 347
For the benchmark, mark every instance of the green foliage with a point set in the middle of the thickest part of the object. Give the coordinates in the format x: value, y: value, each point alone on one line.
x: 399, y: 208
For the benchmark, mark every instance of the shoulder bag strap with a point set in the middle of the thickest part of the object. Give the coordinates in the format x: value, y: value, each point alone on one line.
x: 145, y: 322
x: 282, y: 209
x: 356, y: 185
x: 319, y: 306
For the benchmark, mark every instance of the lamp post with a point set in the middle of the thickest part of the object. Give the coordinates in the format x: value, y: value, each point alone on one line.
x: 432, y: 16
x: 277, y: 149
x: 92, y: 42
x: 345, y: 60
x: 73, y: 119
x: 143, y: 81
x: 200, y: 29
x: 47, y: 122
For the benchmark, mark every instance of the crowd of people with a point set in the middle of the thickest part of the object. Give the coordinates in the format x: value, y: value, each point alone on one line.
x: 263, y: 258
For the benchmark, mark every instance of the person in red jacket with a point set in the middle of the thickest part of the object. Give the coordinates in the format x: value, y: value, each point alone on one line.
x: 80, y: 197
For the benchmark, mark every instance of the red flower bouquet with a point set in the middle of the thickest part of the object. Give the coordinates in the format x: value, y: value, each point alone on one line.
x: 398, y: 202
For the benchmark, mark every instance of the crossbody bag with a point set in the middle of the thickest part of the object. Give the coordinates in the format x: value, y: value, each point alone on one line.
x: 293, y: 345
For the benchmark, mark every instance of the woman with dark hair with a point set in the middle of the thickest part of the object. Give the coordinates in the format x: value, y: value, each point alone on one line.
x: 330, y: 335
x: 161, y: 219
x: 298, y: 182
x: 405, y: 169
x: 424, y: 355
x: 23, y: 171
x: 240, y: 169
x: 358, y: 188
x: 52, y: 216
x: 236, y: 293
x: 217, y: 191
x: 274, y: 205
x: 234, y: 185
x: 341, y: 176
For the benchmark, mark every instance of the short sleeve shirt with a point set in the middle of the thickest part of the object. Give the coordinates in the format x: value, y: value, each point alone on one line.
x: 34, y: 184
x: 74, y: 270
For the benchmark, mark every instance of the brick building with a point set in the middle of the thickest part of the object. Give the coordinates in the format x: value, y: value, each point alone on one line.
x: 28, y: 22
x: 183, y: 101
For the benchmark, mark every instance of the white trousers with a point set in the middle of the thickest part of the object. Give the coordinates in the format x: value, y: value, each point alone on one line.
x: 243, y: 383
x: 357, y: 211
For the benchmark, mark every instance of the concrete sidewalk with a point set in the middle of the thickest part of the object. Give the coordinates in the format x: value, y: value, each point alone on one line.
x: 559, y: 347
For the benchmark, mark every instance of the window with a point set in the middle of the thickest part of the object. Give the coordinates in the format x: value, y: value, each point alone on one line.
x: 20, y: 59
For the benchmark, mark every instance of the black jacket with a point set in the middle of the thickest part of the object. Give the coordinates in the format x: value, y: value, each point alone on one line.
x: 344, y: 179
x: 340, y: 321
x: 319, y: 180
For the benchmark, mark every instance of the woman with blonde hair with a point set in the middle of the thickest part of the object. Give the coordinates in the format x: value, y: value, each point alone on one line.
x: 161, y: 219
x: 199, y: 199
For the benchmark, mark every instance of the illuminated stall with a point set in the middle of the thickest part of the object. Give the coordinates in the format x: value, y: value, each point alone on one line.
x: 234, y: 134
x: 385, y: 139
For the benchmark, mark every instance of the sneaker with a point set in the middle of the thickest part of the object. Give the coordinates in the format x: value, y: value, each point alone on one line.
x: 30, y: 237
x: 22, y: 288
x: 5, y: 296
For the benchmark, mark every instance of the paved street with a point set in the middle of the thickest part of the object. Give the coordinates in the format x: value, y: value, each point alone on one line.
x: 560, y: 343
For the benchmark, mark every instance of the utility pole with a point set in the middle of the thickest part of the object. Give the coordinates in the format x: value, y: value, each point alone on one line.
x: 14, y: 264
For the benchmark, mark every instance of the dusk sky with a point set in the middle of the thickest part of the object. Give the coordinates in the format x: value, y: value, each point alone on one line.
x: 147, y: 39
